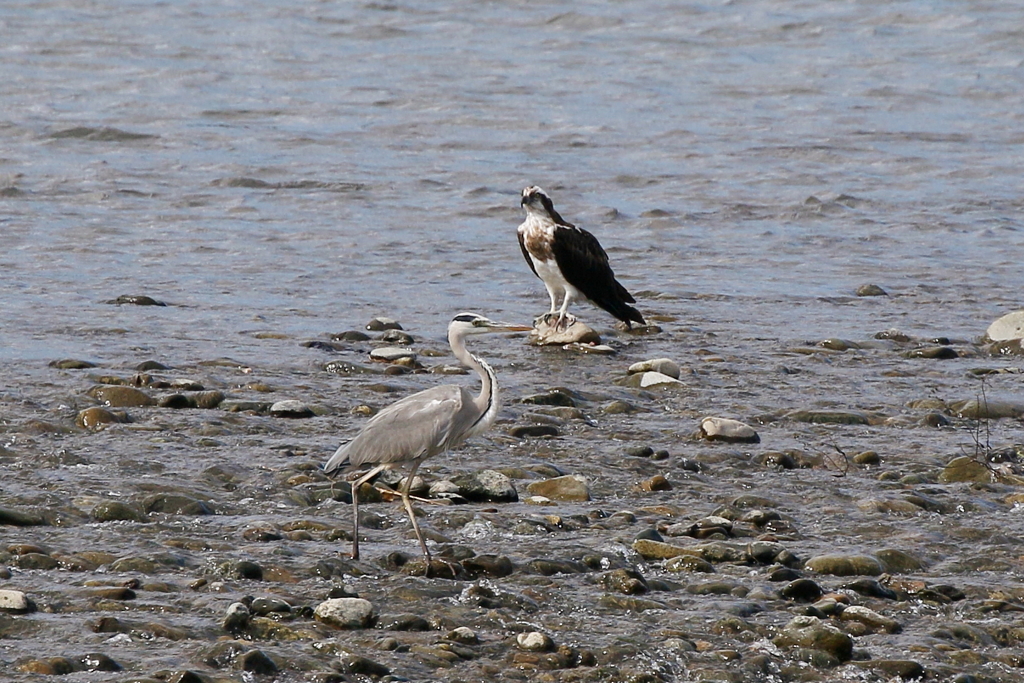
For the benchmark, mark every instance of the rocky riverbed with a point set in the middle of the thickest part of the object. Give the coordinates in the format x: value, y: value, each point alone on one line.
x: 852, y: 513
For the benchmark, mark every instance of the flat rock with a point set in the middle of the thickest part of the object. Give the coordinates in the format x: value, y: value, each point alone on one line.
x: 346, y: 613
x: 390, y: 354
x: 665, y: 366
x: 1010, y: 326
x: 121, y: 396
x: 656, y: 550
x: 545, y: 333
x: 729, y: 431
x: 873, y: 620
x: 845, y: 565
x: 571, y: 487
x: 291, y: 408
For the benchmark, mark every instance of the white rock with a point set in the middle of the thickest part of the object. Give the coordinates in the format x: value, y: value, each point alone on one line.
x: 534, y: 641
x: 665, y: 366
x: 349, y: 613
x: 730, y: 431
x: 545, y: 333
x: 1010, y: 326
x: 599, y: 349
x: 656, y: 379
x: 14, y: 601
x: 389, y: 354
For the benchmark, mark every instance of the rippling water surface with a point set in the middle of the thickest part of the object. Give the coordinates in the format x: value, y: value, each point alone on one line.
x: 314, y: 163
x: 275, y: 171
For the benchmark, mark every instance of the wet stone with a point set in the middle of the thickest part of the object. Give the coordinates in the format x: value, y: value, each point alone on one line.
x: 845, y: 565
x: 533, y: 431
x: 965, y: 469
x: 812, y: 633
x: 728, y: 431
x: 361, y: 666
x: 571, y: 487
x: 237, y: 618
x: 486, y: 485
x: 628, y: 581
x: 801, y: 590
x: 97, y: 417
x: 264, y: 606
x: 1009, y: 326
x: 15, y: 602
x: 344, y: 367
x: 464, y: 635
x: 900, y: 669
x: 176, y: 402
x: 176, y: 504
x: 380, y: 324
x: 346, y: 613
x: 551, y: 398
x: 98, y: 662
x: 397, y: 337
x: 243, y: 569
x: 689, y: 563
x: 665, y: 366
x: 534, y: 641
x: 874, y: 621
x: 870, y: 290
x: 71, y: 364
x: 136, y: 300
x: 545, y: 333
x: 933, y: 352
x: 391, y: 354
x: 53, y: 666
x: 828, y: 417
x: 291, y: 408
x: 121, y: 397
x: 654, y: 550
x: 495, y: 566
x: 898, y: 562
x: 256, y: 662
x: 648, y: 380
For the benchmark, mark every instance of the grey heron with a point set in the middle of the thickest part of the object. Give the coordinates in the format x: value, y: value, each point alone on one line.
x: 570, y: 261
x: 422, y: 425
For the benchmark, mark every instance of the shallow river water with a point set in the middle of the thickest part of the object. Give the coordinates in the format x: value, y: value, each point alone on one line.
x: 277, y: 172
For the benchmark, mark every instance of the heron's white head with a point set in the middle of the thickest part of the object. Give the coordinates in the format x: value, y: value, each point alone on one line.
x: 473, y: 323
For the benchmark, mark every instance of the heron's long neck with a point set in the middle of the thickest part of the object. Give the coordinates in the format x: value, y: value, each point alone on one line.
x: 487, y: 401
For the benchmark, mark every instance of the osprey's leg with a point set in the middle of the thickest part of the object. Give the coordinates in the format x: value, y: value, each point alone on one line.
x: 553, y: 295
x: 565, y: 319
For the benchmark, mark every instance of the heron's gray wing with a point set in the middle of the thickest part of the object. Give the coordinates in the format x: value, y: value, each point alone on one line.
x: 415, y: 427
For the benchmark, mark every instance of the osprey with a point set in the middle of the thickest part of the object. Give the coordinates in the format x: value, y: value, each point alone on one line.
x: 570, y: 261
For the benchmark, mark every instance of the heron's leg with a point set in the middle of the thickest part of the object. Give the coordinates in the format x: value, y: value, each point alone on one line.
x: 412, y: 516
x: 355, y: 506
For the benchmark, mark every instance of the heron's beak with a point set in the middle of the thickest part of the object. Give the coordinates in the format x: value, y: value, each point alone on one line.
x: 507, y: 327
